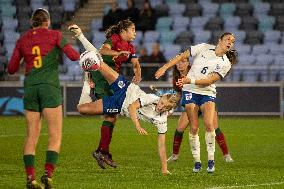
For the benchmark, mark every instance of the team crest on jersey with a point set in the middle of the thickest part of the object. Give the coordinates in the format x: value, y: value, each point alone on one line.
x: 121, y: 84
x: 188, y: 96
x: 217, y: 68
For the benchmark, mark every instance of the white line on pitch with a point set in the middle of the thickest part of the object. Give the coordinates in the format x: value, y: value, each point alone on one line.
x: 250, y: 185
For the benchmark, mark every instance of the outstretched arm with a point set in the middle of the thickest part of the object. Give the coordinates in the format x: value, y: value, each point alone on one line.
x: 106, y: 50
x: 212, y: 78
x: 162, y: 153
x: 133, y: 115
x: 161, y: 71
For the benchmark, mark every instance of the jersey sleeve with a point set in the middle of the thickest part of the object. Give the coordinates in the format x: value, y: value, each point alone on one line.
x: 223, y: 70
x: 14, y: 63
x: 146, y: 99
x: 196, y: 49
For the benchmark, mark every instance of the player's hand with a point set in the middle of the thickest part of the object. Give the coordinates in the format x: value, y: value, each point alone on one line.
x: 161, y: 71
x: 182, y: 81
x: 141, y: 130
x: 166, y: 172
x: 136, y: 79
x: 75, y: 29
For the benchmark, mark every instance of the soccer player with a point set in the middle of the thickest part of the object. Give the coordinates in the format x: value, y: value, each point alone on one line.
x: 180, y: 70
x: 115, y: 51
x: 40, y: 48
x: 128, y: 100
x: 210, y: 64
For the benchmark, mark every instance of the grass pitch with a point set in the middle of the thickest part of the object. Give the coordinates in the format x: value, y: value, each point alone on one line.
x: 256, y: 145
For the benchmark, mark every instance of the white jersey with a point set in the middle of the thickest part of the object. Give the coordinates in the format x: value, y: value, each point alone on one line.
x: 206, y: 62
x: 147, y: 111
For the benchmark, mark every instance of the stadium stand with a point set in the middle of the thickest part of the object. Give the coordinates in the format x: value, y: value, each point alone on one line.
x: 257, y: 24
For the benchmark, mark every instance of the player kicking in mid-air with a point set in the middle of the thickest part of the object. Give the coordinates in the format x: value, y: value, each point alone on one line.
x: 128, y: 99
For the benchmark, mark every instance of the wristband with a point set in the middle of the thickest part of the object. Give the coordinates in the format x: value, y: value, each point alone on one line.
x: 192, y: 81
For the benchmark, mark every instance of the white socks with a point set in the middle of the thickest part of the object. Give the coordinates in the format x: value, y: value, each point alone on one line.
x: 195, y: 147
x: 210, y: 142
x: 85, y: 95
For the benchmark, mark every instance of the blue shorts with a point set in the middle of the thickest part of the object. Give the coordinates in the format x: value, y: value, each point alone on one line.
x: 113, y: 104
x: 198, y: 99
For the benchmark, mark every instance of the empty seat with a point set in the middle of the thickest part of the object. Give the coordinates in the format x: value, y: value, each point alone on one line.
x: 261, y: 8
x: 279, y: 60
x: 277, y: 9
x: 272, y: 36
x: 249, y: 23
x: 98, y: 38
x: 193, y: 10
x: 198, y: 23
x: 279, y: 23
x: 184, y: 39
x: 96, y: 24
x: 276, y: 49
x: 243, y: 49
x: 254, y: 37
x: 177, y: 9
x: 167, y: 37
x: 180, y: 23
x: 244, y: 9
x: 232, y: 23
x: 210, y: 9
x: 266, y: 23
x: 10, y: 24
x: 171, y: 50
x: 138, y: 37
x: 164, y: 23
x: 215, y: 36
x: 227, y: 9
x: 260, y: 49
x: 246, y: 59
x: 202, y: 36
x: 151, y: 36
x: 239, y: 35
x: 264, y: 59
x: 214, y: 23
x: 220, y: 1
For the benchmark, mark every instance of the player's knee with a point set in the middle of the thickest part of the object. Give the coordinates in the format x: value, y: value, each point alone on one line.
x: 82, y: 109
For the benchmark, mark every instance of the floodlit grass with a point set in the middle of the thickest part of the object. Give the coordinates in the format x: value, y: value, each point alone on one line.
x: 256, y: 145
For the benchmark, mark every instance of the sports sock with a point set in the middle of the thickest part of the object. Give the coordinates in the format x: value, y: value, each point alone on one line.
x: 85, y: 94
x: 220, y: 138
x: 29, y: 161
x: 195, y: 147
x: 106, y: 135
x: 177, y: 142
x: 51, y: 160
x: 210, y: 142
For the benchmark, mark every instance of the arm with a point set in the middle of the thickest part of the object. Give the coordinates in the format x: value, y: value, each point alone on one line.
x: 14, y: 64
x: 70, y: 52
x: 133, y: 115
x: 171, y: 63
x: 212, y: 78
x: 137, y: 70
x: 106, y: 50
x: 162, y: 152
